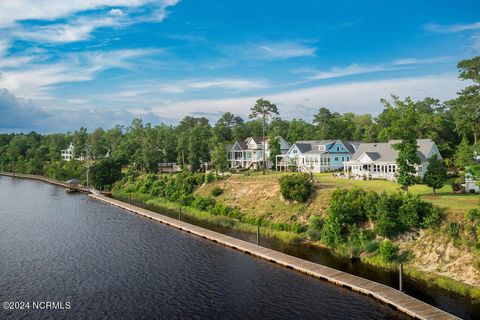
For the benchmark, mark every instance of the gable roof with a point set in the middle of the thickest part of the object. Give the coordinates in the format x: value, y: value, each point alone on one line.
x: 311, y: 146
x: 384, y: 152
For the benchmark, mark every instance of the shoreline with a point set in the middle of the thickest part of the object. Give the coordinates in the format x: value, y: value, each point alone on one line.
x: 399, y: 300
x: 396, y: 299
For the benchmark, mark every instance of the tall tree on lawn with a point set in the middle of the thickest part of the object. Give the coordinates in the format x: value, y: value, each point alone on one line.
x: 407, y: 147
x: 264, y: 110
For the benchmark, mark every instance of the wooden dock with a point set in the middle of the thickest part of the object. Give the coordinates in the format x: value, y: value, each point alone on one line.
x: 401, y: 301
x: 44, y: 179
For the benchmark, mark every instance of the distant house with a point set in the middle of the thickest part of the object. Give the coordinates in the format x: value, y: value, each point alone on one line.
x: 378, y: 160
x: 67, y: 154
x: 317, y: 155
x: 249, y: 153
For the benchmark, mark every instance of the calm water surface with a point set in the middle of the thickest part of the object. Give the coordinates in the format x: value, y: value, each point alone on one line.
x: 110, y: 264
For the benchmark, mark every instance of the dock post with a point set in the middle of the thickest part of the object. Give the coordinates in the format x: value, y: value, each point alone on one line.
x: 400, y: 277
x: 180, y: 213
x: 258, y: 235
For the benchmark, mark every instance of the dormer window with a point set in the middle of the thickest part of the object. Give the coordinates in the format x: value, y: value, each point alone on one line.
x: 321, y: 147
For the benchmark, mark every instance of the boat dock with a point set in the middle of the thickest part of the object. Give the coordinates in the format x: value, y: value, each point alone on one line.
x: 45, y: 179
x: 397, y: 299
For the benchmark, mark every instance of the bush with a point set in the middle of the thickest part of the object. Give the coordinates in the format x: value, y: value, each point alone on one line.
x: 216, y: 191
x: 456, y: 186
x: 296, y: 187
x: 452, y: 229
x: 314, y: 227
x: 202, y: 203
x: 186, y: 199
x: 387, y: 251
x: 473, y: 215
x: 371, y: 246
x: 209, y: 177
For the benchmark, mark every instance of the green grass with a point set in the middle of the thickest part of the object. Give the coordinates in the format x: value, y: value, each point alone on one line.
x: 163, y: 203
x: 444, y: 283
x: 445, y: 198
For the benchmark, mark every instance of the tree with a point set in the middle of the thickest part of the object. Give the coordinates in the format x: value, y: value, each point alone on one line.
x: 274, y: 145
x: 323, y: 121
x: 80, y: 141
x: 105, y: 172
x: 467, y: 106
x: 407, y: 147
x: 219, y: 158
x: 263, y: 109
x: 464, y: 155
x: 436, y: 173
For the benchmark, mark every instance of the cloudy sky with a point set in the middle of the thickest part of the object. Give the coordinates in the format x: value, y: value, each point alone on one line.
x: 71, y: 63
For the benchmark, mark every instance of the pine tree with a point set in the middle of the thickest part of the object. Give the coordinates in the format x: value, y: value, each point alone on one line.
x: 407, y: 147
x: 436, y: 174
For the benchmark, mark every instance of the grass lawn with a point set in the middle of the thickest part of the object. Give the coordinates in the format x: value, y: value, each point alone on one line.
x: 445, y: 198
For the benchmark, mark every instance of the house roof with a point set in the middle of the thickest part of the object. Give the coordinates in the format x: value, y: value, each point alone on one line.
x: 384, y: 152
x: 311, y: 146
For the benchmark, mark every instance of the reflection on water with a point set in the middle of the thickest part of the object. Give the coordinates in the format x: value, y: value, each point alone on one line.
x: 110, y: 264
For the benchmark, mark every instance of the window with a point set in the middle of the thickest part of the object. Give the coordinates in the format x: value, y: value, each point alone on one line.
x: 321, y: 148
x: 343, y: 158
x: 336, y: 158
x: 338, y: 148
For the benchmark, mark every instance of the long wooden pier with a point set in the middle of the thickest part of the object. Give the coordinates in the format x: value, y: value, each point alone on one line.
x: 44, y: 179
x: 401, y: 301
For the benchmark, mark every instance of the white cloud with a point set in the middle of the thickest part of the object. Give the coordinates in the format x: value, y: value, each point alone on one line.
x: 354, y: 69
x: 33, y: 80
x: 116, y: 12
x: 75, y: 29
x: 18, y: 10
x: 287, y: 49
x: 433, y: 27
x: 270, y: 50
x: 357, y: 97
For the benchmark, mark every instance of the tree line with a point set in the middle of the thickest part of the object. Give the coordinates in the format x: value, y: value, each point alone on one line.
x: 454, y: 125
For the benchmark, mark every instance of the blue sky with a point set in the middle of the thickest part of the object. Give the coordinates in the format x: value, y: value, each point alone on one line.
x: 66, y: 64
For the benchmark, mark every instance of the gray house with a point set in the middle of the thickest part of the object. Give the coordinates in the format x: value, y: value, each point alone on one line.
x: 249, y: 153
x: 378, y: 160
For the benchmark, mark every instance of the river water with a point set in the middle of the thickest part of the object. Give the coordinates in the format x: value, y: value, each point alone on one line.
x: 66, y: 256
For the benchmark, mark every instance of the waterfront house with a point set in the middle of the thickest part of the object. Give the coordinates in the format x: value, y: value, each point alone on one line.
x: 316, y: 155
x: 378, y: 160
x: 249, y: 152
x: 67, y: 154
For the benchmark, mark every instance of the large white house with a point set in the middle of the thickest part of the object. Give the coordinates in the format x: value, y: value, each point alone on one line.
x: 378, y: 160
x: 67, y: 154
x: 249, y: 153
x: 317, y: 155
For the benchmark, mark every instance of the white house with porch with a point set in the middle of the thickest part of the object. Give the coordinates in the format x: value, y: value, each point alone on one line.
x: 378, y: 160
x: 316, y: 155
x: 249, y: 153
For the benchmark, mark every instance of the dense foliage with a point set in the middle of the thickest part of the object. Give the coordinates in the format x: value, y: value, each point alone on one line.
x: 296, y: 187
x: 351, y: 210
x: 194, y: 142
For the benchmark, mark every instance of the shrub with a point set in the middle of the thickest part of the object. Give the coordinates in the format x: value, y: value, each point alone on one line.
x: 296, y: 187
x: 314, y: 227
x: 216, y: 191
x: 186, y: 199
x: 371, y: 246
x: 202, y: 203
x: 453, y: 229
x: 473, y: 215
x: 209, y: 177
x: 456, y: 186
x: 387, y: 251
